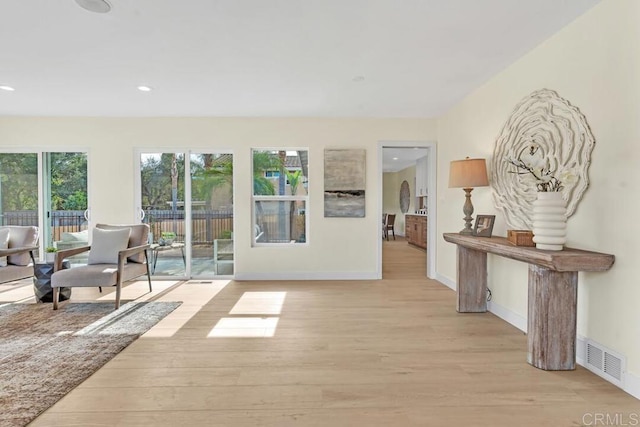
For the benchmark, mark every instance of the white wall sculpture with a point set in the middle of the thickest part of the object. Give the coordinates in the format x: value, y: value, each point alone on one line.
x: 547, y: 133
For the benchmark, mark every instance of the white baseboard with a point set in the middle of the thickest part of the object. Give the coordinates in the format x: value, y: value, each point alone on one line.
x: 632, y: 385
x: 446, y: 281
x: 630, y: 382
x: 324, y: 275
x: 508, y: 316
x: 500, y: 311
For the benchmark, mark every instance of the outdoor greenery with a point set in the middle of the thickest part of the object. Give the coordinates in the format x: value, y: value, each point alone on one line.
x: 19, y: 181
x: 281, y: 219
x: 264, y: 161
x: 68, y: 181
x: 162, y: 180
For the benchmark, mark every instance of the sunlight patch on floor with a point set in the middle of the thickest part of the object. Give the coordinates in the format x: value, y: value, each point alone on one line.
x: 259, y: 303
x: 20, y: 294
x: 194, y: 296
x: 138, y: 290
x: 245, y: 327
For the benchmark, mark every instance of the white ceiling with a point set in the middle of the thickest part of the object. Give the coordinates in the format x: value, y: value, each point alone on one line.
x: 270, y: 58
x: 398, y: 158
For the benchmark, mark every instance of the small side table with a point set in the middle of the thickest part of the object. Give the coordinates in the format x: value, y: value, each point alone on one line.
x: 42, y: 272
x: 156, y: 249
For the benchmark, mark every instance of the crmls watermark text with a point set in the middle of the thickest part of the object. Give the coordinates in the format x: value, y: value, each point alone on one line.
x: 611, y: 419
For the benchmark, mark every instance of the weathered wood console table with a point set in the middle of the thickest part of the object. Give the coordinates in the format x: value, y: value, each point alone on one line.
x: 553, y: 292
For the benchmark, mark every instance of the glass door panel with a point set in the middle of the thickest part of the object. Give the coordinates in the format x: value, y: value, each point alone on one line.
x: 211, y: 204
x: 162, y: 191
x: 19, y: 189
x: 65, y: 200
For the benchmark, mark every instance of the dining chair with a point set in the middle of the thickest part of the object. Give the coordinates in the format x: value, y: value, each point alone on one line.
x: 389, y: 226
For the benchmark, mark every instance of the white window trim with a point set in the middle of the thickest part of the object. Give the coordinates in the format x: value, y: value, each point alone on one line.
x: 277, y: 198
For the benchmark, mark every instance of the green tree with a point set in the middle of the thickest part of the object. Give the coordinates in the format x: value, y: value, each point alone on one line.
x: 294, y: 179
x: 18, y: 181
x: 213, y: 180
x: 68, y: 181
x: 156, y: 177
x: 264, y: 161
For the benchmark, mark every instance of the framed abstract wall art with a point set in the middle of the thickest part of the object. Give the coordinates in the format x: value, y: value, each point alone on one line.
x: 344, y: 183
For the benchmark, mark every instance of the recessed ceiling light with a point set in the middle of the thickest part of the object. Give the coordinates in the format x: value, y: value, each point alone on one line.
x: 144, y: 88
x: 7, y: 88
x: 395, y: 158
x: 97, y: 6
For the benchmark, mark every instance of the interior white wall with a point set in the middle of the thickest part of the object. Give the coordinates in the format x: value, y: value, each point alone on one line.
x: 595, y: 64
x: 340, y: 248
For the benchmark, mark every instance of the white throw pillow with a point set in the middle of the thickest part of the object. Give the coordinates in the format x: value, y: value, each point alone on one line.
x: 79, y: 236
x: 106, y: 244
x: 4, y: 244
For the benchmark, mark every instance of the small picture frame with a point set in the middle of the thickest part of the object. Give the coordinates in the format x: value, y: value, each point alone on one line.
x: 484, y: 225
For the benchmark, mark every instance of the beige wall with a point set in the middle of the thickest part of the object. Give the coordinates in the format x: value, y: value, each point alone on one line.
x: 391, y: 195
x: 595, y: 64
x: 337, y: 248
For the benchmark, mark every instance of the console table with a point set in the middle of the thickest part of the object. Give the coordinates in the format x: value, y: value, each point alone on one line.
x: 553, y: 292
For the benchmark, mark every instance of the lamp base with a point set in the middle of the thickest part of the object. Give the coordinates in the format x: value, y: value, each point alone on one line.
x: 467, y: 209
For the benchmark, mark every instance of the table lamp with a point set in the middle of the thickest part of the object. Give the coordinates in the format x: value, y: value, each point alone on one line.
x: 467, y: 174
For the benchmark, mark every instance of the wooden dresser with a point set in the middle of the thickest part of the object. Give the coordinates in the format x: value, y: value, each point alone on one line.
x: 415, y: 230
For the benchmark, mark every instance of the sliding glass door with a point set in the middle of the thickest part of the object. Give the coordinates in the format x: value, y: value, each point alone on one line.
x: 211, y: 214
x: 162, y: 207
x: 65, y: 199
x: 187, y: 200
x: 47, y: 190
x: 19, y: 189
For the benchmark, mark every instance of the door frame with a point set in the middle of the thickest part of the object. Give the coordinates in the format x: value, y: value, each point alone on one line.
x: 43, y: 240
x: 44, y: 193
x: 431, y: 201
x: 187, y: 152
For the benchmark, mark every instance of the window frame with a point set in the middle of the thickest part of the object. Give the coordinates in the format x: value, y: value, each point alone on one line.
x: 280, y: 198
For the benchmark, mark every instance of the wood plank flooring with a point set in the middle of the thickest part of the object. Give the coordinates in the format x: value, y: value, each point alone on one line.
x: 392, y: 352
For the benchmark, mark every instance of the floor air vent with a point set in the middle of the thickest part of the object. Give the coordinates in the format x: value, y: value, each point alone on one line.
x: 604, y: 362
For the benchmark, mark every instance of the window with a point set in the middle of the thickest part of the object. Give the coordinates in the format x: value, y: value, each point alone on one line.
x: 280, y: 196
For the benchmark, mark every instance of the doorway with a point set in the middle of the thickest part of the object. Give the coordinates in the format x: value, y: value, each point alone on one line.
x: 403, y: 158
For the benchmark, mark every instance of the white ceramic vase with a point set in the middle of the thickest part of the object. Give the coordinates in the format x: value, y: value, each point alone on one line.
x: 550, y: 221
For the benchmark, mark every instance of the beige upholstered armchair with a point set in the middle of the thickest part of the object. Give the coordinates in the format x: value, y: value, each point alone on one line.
x: 17, y: 245
x: 117, y: 253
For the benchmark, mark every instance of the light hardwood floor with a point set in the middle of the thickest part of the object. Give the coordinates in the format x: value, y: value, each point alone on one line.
x: 332, y: 353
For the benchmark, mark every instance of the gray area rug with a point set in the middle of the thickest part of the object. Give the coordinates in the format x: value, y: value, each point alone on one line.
x: 44, y: 354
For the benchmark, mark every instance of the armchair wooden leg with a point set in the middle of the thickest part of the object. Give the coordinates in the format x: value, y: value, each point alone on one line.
x: 118, y: 289
x: 146, y: 257
x: 56, y: 293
